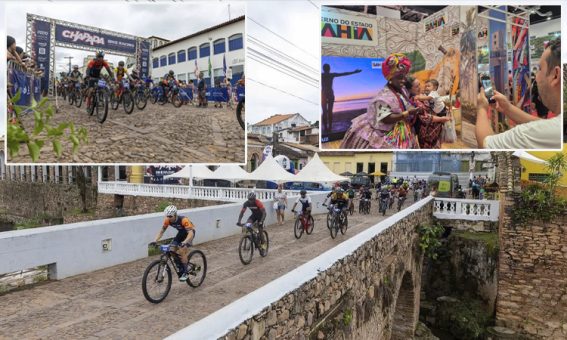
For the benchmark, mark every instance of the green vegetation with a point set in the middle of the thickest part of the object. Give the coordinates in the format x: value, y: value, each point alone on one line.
x: 43, y: 132
x: 347, y: 317
x: 490, y: 239
x: 162, y: 205
x: 152, y: 251
x: 429, y: 239
x: 464, y: 319
x: 417, y: 61
x: 40, y: 220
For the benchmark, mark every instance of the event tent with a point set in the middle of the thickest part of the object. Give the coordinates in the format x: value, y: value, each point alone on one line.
x: 230, y: 172
x: 528, y: 157
x: 270, y: 170
x: 317, y: 171
x: 197, y: 171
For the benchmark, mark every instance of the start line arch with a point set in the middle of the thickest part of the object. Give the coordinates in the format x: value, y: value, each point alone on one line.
x: 44, y: 34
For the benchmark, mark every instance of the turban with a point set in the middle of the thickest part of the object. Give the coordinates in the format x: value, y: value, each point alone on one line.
x: 395, y: 64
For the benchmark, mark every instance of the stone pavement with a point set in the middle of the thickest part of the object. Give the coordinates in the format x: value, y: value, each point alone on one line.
x: 157, y: 134
x: 109, y: 303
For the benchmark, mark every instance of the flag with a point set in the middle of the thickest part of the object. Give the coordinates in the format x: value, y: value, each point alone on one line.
x: 224, y: 64
x: 210, y: 70
x: 196, y: 69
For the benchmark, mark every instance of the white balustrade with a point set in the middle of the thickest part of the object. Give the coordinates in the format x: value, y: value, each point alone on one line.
x: 186, y: 192
x: 465, y: 209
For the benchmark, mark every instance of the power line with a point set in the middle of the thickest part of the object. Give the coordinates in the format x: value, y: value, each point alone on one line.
x: 279, y: 36
x: 311, y: 2
x: 274, y: 62
x: 282, y: 91
x: 282, y: 55
x: 282, y: 71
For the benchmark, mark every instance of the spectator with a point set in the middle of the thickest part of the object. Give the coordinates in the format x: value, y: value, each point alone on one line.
x: 531, y: 132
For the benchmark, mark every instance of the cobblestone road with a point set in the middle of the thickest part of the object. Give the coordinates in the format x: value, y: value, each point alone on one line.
x: 157, y: 134
x: 109, y: 303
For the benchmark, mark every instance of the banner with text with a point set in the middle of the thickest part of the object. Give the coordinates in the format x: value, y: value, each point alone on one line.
x: 338, y: 28
x: 435, y: 21
x: 144, y: 58
x: 89, y: 38
x: 41, y: 45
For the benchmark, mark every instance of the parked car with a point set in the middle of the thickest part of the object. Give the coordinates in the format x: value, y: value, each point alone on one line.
x: 309, y: 186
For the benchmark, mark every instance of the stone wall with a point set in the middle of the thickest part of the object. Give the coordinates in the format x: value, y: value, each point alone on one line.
x: 373, y: 293
x: 532, y: 273
x: 24, y: 200
x: 468, y: 225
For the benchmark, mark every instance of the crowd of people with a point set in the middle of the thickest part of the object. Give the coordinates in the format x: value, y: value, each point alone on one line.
x: 401, y: 115
x: 16, y: 57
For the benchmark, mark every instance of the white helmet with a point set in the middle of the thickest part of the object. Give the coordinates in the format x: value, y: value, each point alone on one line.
x: 170, y: 210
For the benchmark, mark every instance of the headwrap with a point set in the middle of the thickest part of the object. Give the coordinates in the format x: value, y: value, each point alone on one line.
x: 395, y: 64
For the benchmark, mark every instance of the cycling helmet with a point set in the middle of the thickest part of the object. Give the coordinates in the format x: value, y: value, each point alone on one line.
x: 75, y: 67
x: 100, y: 54
x: 303, y: 192
x: 134, y: 71
x: 251, y: 196
x: 170, y: 211
x: 171, y: 73
x: 121, y: 63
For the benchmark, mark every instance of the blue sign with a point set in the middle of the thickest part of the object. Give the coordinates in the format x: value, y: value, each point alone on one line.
x: 21, y: 82
x: 41, y: 43
x: 93, y: 39
x: 144, y: 58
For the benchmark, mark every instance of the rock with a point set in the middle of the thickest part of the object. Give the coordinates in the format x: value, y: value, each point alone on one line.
x: 272, y: 318
x: 242, y: 329
x: 320, y: 335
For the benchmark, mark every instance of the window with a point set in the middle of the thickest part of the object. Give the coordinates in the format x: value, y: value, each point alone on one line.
x: 181, y: 56
x: 192, y: 53
x: 537, y: 177
x: 182, y: 76
x: 235, y: 42
x: 219, y: 46
x: 359, y: 167
x: 155, y: 62
x: 162, y: 61
x: 204, y: 50
x: 171, y: 58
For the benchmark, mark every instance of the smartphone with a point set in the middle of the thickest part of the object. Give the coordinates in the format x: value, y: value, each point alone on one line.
x: 486, y: 83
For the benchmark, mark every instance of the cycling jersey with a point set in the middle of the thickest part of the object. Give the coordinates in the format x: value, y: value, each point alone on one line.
x: 304, y: 201
x: 256, y: 208
x: 351, y: 193
x: 94, y: 67
x: 366, y: 194
x: 120, y: 73
x: 402, y: 192
x: 75, y: 74
x: 384, y: 194
x: 181, y: 224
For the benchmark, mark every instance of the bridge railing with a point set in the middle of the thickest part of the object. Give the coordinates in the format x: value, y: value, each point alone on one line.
x: 187, y: 192
x: 465, y: 209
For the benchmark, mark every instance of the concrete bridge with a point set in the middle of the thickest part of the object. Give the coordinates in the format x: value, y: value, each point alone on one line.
x: 364, y: 284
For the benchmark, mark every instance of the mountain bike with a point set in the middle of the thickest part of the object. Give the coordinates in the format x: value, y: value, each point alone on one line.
x: 339, y: 221
x: 240, y: 110
x: 401, y: 200
x: 302, y: 224
x: 75, y: 97
x: 384, y: 205
x: 252, y: 240
x: 140, y: 97
x: 157, y: 278
x: 99, y: 101
x: 364, y: 207
x: 124, y: 96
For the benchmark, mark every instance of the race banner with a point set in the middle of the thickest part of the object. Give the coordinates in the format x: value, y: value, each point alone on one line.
x: 41, y: 45
x: 89, y: 38
x: 338, y: 28
x: 435, y: 21
x: 19, y: 80
x: 144, y: 58
x: 218, y: 94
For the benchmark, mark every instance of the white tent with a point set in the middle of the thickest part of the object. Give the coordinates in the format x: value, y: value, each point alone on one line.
x: 528, y: 157
x: 317, y: 171
x: 197, y: 171
x: 230, y: 172
x: 270, y: 170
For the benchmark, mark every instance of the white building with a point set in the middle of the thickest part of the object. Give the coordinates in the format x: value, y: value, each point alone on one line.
x: 277, y: 123
x: 221, y: 42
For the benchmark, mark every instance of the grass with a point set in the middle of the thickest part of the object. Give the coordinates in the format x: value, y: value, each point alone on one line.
x: 79, y: 211
x: 490, y: 239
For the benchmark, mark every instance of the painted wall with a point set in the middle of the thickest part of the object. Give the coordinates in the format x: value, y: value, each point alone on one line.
x: 535, y: 168
x: 339, y: 164
x: 77, y: 248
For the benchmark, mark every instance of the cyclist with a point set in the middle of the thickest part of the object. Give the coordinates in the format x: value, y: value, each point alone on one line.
x: 167, y: 81
x: 120, y: 72
x: 351, y: 193
x: 93, y: 72
x: 305, y: 202
x: 258, y: 215
x: 338, y: 198
x: 183, y: 239
x: 402, y: 193
x: 384, y: 196
x: 75, y: 75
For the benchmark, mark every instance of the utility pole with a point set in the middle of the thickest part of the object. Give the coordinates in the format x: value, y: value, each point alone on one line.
x: 228, y: 11
x: 69, y: 62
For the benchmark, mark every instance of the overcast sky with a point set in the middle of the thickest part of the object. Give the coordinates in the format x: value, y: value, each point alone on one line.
x: 166, y: 20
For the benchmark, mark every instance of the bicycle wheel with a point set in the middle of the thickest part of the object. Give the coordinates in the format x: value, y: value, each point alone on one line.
x: 128, y: 102
x: 176, y: 100
x: 114, y: 101
x: 384, y: 209
x: 351, y: 208
x: 264, y: 252
x: 240, y: 114
x: 156, y: 281
x: 154, y: 98
x: 246, y: 249
x: 198, y: 268
x: 141, y: 101
x: 334, y: 227
x: 311, y: 225
x: 79, y: 99
x: 72, y: 98
x: 102, y: 107
x: 344, y: 226
x: 91, y: 107
x: 329, y: 219
x: 298, y: 228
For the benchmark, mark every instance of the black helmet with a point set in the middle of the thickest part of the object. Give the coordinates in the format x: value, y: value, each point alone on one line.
x: 303, y: 192
x: 100, y: 54
x: 251, y: 196
x: 171, y: 73
x: 75, y: 67
x: 121, y: 63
